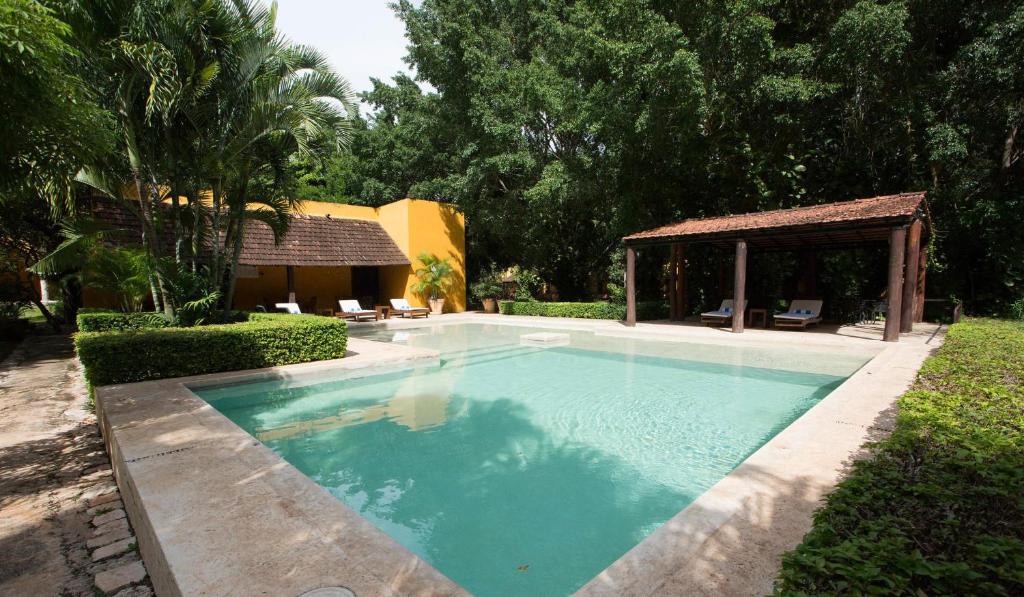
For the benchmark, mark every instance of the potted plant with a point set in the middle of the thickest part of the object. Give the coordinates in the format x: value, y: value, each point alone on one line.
x: 435, y: 276
x: 487, y: 290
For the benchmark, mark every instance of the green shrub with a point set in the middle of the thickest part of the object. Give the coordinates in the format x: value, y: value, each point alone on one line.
x: 266, y: 340
x: 600, y: 310
x: 97, y: 320
x: 528, y: 284
x: 1017, y: 309
x: 939, y: 509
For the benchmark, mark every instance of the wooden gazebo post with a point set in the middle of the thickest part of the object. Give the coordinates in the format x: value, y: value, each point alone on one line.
x: 909, y: 301
x: 677, y: 282
x: 630, y: 286
x: 922, y: 270
x: 739, y: 287
x: 897, y: 246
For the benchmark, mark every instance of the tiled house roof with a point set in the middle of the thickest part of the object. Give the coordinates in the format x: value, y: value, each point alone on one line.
x: 878, y: 210
x: 310, y: 240
x: 321, y: 241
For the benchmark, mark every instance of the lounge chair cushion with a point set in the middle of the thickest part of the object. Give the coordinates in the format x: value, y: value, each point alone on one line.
x: 800, y: 316
x: 351, y: 306
x: 403, y: 305
x: 292, y: 308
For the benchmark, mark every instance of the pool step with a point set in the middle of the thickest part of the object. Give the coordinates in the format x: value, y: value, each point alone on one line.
x: 477, y: 356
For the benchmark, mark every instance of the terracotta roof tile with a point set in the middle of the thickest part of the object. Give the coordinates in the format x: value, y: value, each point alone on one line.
x: 310, y: 240
x: 881, y: 208
x: 321, y: 241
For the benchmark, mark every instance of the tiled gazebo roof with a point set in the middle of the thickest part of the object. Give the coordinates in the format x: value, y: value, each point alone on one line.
x: 846, y: 222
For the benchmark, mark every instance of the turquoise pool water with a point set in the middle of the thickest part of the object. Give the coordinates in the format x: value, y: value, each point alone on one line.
x: 519, y: 470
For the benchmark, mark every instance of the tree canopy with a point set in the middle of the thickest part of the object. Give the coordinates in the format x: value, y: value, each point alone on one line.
x: 559, y: 126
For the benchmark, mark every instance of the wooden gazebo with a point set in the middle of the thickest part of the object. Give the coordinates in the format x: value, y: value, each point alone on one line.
x: 901, y: 220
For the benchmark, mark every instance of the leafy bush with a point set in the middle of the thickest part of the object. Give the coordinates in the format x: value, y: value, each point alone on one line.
x: 434, y: 278
x: 1017, y: 309
x: 644, y: 310
x: 487, y: 286
x: 528, y: 284
x: 102, y: 320
x: 266, y: 340
x: 938, y: 509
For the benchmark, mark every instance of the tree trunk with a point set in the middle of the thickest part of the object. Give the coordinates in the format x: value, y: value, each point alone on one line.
x: 236, y: 253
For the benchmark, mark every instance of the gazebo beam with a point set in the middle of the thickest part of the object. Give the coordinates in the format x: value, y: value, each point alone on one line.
x: 630, y: 285
x: 897, y: 246
x: 909, y: 301
x: 739, y: 287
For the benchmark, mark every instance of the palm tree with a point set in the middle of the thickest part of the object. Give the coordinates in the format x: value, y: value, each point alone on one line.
x: 211, y: 103
x: 434, y: 277
x: 275, y: 100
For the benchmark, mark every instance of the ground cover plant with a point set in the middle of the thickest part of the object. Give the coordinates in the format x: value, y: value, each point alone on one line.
x: 939, y: 508
x: 264, y: 340
x: 595, y: 310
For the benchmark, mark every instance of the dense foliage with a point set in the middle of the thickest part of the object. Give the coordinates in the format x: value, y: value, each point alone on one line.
x: 558, y: 126
x: 206, y: 104
x: 265, y: 340
x: 938, y: 509
x: 596, y: 310
x: 51, y: 124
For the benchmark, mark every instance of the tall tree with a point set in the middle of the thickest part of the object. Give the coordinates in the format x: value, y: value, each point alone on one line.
x: 211, y: 104
x: 51, y: 127
x: 558, y: 126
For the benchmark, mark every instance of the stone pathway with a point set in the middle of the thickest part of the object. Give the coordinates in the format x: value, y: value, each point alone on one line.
x: 63, y: 529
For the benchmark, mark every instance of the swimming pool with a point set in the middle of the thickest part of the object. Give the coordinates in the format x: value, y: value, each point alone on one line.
x: 522, y: 469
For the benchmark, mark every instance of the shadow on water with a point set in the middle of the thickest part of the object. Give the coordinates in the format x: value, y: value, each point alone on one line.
x: 488, y: 497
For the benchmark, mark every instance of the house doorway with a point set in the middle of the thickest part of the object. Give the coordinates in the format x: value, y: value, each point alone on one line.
x: 366, y: 285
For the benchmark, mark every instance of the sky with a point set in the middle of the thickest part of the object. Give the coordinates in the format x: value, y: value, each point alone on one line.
x: 361, y: 38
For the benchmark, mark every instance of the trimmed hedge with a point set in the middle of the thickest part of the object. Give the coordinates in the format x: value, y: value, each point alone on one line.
x: 939, y: 509
x: 599, y: 310
x: 265, y: 340
x: 96, y: 320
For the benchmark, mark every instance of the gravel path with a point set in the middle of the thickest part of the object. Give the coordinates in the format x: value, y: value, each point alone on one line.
x: 53, y: 468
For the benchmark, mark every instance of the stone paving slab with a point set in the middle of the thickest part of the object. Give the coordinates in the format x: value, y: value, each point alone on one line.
x: 118, y: 578
x: 53, y: 469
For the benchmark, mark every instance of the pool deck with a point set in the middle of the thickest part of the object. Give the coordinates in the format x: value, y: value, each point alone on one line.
x: 217, y: 512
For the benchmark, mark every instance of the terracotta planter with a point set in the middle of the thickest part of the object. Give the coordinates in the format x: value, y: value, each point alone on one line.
x: 490, y: 305
x: 436, y: 306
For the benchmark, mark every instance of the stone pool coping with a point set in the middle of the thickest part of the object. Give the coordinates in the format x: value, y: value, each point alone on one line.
x: 218, y: 512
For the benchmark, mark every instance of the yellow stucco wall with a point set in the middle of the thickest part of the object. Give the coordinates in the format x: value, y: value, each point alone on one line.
x: 416, y: 226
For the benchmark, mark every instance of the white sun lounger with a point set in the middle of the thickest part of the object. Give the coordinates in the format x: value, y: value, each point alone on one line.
x: 799, y: 315
x: 351, y: 309
x: 292, y: 308
x: 402, y: 306
x: 722, y: 315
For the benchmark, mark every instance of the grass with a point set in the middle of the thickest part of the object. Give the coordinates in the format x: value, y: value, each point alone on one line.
x: 33, y: 315
x: 939, y: 508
